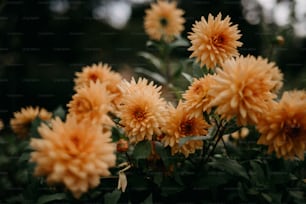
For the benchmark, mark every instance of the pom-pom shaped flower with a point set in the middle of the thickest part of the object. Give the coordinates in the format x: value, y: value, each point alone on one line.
x: 98, y: 73
x: 283, y: 126
x: 142, y: 110
x: 92, y: 103
x: 197, y: 98
x: 180, y: 125
x: 72, y: 153
x: 21, y: 122
x: 214, y: 40
x: 163, y: 21
x: 243, y: 89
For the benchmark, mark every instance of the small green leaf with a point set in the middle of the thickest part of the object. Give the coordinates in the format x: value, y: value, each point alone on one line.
x: 152, y: 59
x: 230, y: 166
x: 142, y: 150
x: 60, y: 112
x: 266, y: 197
x: 197, y: 71
x: 34, y: 125
x: 48, y: 198
x: 112, y: 197
x: 183, y: 140
x: 163, y: 152
x: 179, y: 42
x: 187, y: 77
x: 155, y: 76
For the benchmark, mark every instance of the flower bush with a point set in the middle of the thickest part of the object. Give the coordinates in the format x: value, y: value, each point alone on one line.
x: 214, y: 127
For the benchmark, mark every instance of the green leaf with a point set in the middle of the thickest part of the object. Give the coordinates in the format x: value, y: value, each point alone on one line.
x: 187, y: 77
x: 155, y: 76
x: 48, y: 198
x: 163, y: 152
x: 211, y: 179
x: 34, y: 125
x: 179, y: 42
x: 60, y: 112
x: 230, y: 166
x: 266, y: 197
x: 113, y: 197
x: 155, y: 61
x: 197, y: 71
x: 148, y: 200
x: 257, y: 173
x: 183, y: 140
x: 142, y: 150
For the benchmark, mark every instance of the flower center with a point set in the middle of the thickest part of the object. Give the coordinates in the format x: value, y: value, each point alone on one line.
x: 83, y: 105
x: 187, y: 127
x: 93, y: 77
x: 218, y: 40
x: 139, y: 115
x: 163, y: 22
x: 292, y: 130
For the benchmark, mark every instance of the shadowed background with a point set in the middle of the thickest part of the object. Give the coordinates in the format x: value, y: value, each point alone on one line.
x: 43, y: 43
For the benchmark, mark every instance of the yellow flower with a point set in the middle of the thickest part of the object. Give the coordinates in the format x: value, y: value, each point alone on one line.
x: 142, y: 110
x: 72, y: 153
x: 213, y: 41
x: 243, y: 89
x: 21, y: 122
x: 92, y: 103
x: 196, y: 97
x: 99, y: 73
x: 180, y: 125
x: 283, y: 126
x: 163, y: 21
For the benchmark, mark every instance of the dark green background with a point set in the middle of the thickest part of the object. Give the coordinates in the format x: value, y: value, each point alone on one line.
x: 40, y: 50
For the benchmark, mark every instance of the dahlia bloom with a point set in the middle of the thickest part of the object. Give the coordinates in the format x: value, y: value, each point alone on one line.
x: 214, y: 40
x: 283, y: 127
x: 92, y: 103
x: 243, y: 88
x: 142, y: 111
x: 21, y: 122
x: 99, y: 73
x: 196, y: 97
x: 180, y: 125
x: 72, y: 153
x: 163, y: 21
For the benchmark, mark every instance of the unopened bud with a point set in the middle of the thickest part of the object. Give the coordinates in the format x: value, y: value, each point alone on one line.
x: 122, y: 145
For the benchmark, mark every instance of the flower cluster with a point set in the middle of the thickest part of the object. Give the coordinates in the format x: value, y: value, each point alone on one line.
x: 79, y: 151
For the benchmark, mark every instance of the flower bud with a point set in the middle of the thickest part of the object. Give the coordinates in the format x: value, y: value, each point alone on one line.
x: 122, y: 145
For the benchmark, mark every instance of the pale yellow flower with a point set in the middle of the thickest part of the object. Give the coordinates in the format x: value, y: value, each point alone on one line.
x: 283, y: 126
x: 142, y: 110
x: 21, y: 122
x: 73, y: 153
x: 243, y: 89
x: 180, y: 125
x: 164, y: 21
x: 92, y: 103
x: 197, y: 98
x: 214, y: 40
x: 99, y: 73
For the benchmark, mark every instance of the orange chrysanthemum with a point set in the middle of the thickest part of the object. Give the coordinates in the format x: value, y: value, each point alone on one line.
x: 197, y: 98
x: 99, y: 73
x: 75, y: 154
x: 283, y: 127
x: 142, y: 110
x: 243, y: 88
x: 92, y: 103
x: 21, y: 122
x: 213, y: 41
x: 179, y: 125
x: 164, y: 21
